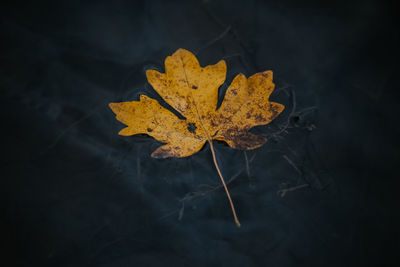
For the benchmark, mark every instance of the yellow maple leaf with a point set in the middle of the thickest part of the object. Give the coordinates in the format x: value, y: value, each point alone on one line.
x: 193, y: 92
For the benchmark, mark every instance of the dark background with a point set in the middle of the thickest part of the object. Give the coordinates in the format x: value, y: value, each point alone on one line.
x: 77, y: 194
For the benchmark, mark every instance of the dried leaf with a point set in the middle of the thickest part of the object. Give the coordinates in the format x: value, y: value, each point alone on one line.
x: 193, y: 92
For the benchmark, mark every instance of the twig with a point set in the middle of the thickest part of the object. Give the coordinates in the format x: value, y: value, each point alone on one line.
x: 216, y: 39
x: 139, y: 171
x: 283, y: 192
x: 192, y: 195
x: 235, y: 35
x: 181, y: 211
x: 72, y: 125
x: 233, y: 55
x: 283, y: 88
x: 290, y: 115
x: 292, y: 164
x: 247, y: 164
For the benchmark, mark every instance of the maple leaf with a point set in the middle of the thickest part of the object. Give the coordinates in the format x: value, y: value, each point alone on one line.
x: 193, y: 91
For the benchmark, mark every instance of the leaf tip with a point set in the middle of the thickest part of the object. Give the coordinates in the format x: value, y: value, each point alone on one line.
x: 268, y: 74
x: 160, y: 154
x: 127, y: 131
x: 276, y: 109
x: 181, y: 50
x: 143, y: 97
x: 222, y: 62
x: 113, y: 107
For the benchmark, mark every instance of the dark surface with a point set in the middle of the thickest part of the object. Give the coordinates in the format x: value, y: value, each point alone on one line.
x: 77, y: 194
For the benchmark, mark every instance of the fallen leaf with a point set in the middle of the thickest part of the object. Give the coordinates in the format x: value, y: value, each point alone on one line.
x: 193, y: 92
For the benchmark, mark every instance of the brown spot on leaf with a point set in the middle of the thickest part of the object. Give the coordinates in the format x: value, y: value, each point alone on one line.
x: 234, y: 91
x: 213, y: 123
x: 192, y: 127
x: 222, y: 119
x: 163, y: 152
x: 194, y: 87
x: 244, y: 140
x: 259, y: 118
x: 274, y: 111
x: 250, y: 90
x: 248, y: 114
x: 149, y: 130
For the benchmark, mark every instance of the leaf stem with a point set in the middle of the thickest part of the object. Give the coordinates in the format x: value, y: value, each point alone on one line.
x: 223, y: 183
